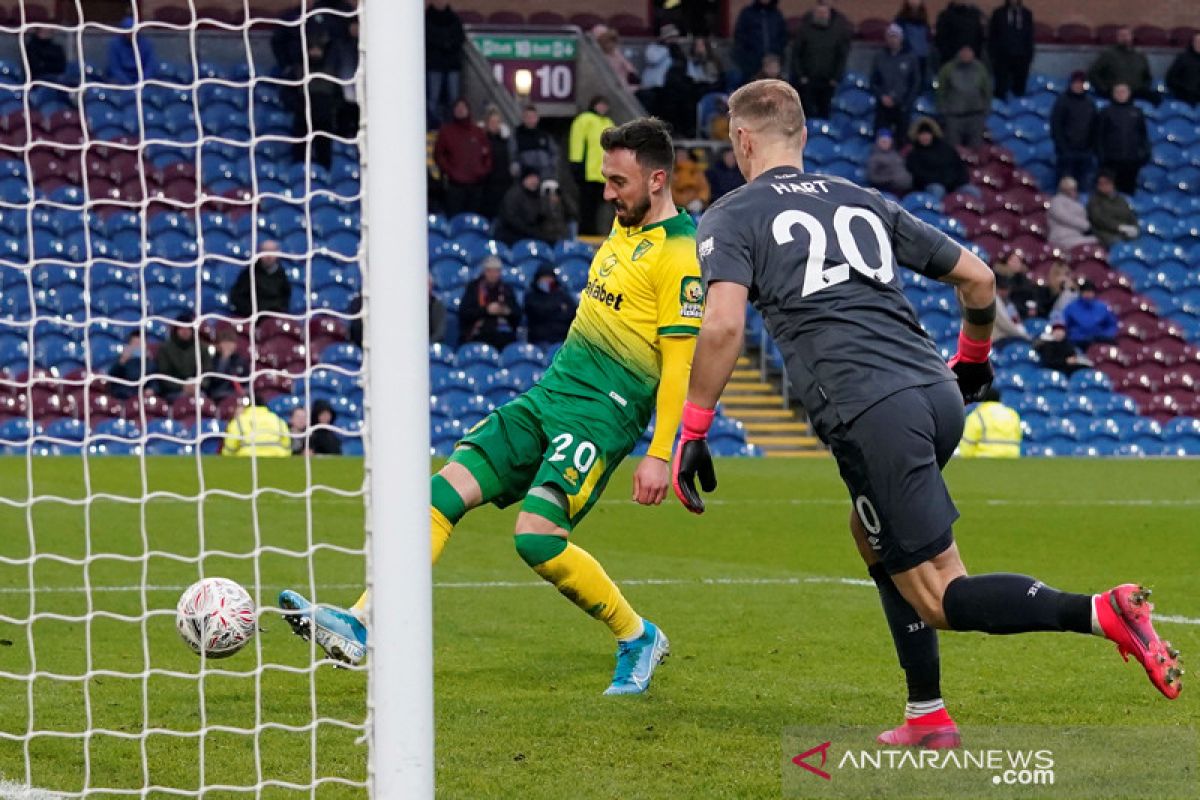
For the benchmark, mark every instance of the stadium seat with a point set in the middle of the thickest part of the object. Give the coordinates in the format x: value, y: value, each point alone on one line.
x: 477, y: 353
x: 523, y: 353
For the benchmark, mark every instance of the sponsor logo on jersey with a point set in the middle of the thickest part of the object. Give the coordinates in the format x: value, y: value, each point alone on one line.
x: 642, y: 248
x: 598, y: 291
x: 607, y: 266
x: 706, y: 247
x: 571, y: 474
x: 691, y: 297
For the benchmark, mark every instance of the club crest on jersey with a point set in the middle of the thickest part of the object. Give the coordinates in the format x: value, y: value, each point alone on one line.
x: 642, y: 248
x: 607, y: 266
x: 691, y: 297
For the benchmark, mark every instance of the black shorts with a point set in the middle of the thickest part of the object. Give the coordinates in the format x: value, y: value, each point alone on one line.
x: 891, y: 458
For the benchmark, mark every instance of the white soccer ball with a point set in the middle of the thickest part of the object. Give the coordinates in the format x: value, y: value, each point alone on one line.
x: 216, y: 617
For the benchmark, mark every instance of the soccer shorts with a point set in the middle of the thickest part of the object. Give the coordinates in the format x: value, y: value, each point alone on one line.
x: 547, y: 438
x: 891, y: 458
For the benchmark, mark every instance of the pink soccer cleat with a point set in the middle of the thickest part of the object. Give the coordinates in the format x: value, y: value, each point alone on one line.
x: 1124, y: 616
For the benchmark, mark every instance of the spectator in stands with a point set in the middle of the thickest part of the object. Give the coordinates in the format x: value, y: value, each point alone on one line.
x: 1122, y: 140
x: 1008, y: 325
x: 125, y: 67
x: 1122, y: 64
x: 534, y: 147
x: 818, y: 62
x: 1073, y: 129
x: 1089, y: 319
x: 609, y: 42
x: 675, y: 101
x: 704, y: 66
x: 760, y: 31
x: 257, y: 431
x: 262, y: 287
x: 1183, y: 77
x: 181, y: 359
x: 298, y: 428
x: 500, y: 178
x: 1112, y: 218
x: 527, y: 213
x: 489, y: 311
x: 991, y: 430
x: 321, y: 441
x: 772, y: 69
x: 1056, y: 293
x: 341, y: 62
x: 959, y: 25
x: 47, y: 58
x: 1010, y: 38
x: 444, y: 40
x: 560, y: 212
x: 230, y: 368
x: 913, y: 19
x: 437, y: 318
x: 689, y: 187
x: 1020, y: 289
x: 128, y: 367
x: 885, y: 165
x: 549, y: 308
x: 932, y: 161
x: 1067, y: 217
x: 964, y: 98
x: 896, y: 81
x: 1057, y: 352
x: 656, y: 62
x: 723, y: 174
x: 464, y: 155
x: 318, y: 105
x: 586, y: 155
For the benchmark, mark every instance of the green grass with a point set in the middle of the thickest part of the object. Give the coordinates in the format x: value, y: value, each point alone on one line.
x: 519, y: 670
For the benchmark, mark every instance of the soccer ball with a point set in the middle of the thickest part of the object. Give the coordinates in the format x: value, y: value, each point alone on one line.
x: 216, y: 617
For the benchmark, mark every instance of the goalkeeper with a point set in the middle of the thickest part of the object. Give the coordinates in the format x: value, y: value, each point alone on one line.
x: 554, y: 448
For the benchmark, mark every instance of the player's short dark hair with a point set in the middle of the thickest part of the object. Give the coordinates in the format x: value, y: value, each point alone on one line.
x: 649, y: 138
x: 992, y: 395
x: 769, y: 105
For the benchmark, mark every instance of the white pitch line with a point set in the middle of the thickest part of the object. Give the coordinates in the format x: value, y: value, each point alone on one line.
x: 17, y: 791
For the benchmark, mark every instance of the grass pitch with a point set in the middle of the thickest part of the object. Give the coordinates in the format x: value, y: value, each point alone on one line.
x: 765, y: 633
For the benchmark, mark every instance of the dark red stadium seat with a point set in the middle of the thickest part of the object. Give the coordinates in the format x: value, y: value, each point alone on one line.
x: 1154, y: 353
x: 1138, y: 331
x: 1090, y: 270
x: 1146, y: 376
x: 469, y: 17
x: 1025, y: 200
x: 1087, y: 252
x: 1180, y: 379
x: 284, y: 355
x: 101, y: 187
x: 211, y: 326
x: 1075, y: 33
x: 998, y: 153
x: 269, y: 385
x: 1115, y: 372
x: 1028, y: 245
x: 269, y: 328
x: 1043, y: 33
x: 872, y: 29
x: 324, y: 330
x: 991, y: 199
x: 956, y: 200
x: 228, y: 408
x: 1122, y: 301
x: 1034, y: 224
x: 1162, y: 408
x: 586, y: 21
x: 13, y: 405
x: 187, y: 405
x: 1107, y: 33
x: 1142, y: 397
x: 546, y: 18
x: 629, y: 25
x: 506, y: 18
x: 173, y: 15
x: 971, y: 222
x: 1151, y: 36
x: 1002, y: 222
x: 103, y: 406
x: 994, y: 176
x: 1182, y: 36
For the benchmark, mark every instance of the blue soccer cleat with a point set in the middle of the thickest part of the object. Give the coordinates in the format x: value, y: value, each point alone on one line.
x: 637, y: 660
x: 337, y: 631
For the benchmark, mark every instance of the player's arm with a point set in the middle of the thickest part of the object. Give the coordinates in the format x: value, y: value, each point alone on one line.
x: 652, y: 476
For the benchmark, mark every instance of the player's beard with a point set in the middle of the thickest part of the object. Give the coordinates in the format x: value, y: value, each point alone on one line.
x: 635, y: 216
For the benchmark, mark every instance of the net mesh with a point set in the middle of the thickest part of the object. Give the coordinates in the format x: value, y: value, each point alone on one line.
x: 179, y: 244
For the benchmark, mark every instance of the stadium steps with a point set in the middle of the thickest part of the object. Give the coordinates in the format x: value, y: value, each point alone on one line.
x: 758, y: 404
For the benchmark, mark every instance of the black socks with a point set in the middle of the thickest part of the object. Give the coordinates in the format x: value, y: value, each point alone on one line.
x: 916, y: 642
x: 1006, y: 603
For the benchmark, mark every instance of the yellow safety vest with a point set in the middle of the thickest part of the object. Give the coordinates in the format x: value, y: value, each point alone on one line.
x: 993, y: 430
x: 257, y: 431
x: 584, y: 144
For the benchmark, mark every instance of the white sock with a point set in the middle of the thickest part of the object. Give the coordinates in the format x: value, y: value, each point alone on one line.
x: 641, y: 629
x: 920, y: 708
x: 1096, y: 629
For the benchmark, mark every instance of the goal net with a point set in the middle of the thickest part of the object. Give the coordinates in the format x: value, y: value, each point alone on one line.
x: 181, y: 294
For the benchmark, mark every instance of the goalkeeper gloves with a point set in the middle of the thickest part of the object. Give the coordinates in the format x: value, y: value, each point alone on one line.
x: 972, y: 368
x: 692, y: 458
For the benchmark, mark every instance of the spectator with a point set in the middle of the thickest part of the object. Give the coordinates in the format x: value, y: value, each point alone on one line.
x: 318, y: 105
x: 527, y: 213
x: 128, y: 368
x: 991, y: 430
x: 1068, y: 219
x: 959, y: 25
x: 586, y: 155
x: 298, y: 429
x: 689, y: 187
x: 1183, y: 77
x: 1073, y: 129
x: 341, y: 62
x: 1008, y: 325
x: 704, y: 66
x: 321, y: 440
x: 760, y: 31
x: 896, y: 82
x: 1122, y: 64
x: 1089, y: 319
x: 1057, y: 352
x: 47, y: 58
x: 656, y: 60
x: 489, y: 312
x: 964, y: 98
x: 500, y: 178
x: 933, y: 163
x: 1020, y: 288
x: 126, y: 67
x: 771, y: 70
x: 913, y: 19
x: 818, y: 62
x: 724, y: 175
x: 558, y: 210
x: 464, y: 155
x: 262, y: 287
x: 1010, y: 38
x: 534, y: 147
x: 444, y: 40
x: 885, y: 165
x: 1056, y: 293
x: 1111, y: 215
x: 1122, y: 141
x: 230, y: 368
x: 257, y: 431
x: 437, y: 318
x: 181, y: 359
x: 675, y: 102
x: 549, y: 308
x: 609, y: 42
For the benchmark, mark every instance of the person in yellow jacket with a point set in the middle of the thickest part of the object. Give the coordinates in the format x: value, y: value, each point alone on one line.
x: 257, y: 431
x: 689, y: 186
x: 992, y: 430
x: 585, y: 154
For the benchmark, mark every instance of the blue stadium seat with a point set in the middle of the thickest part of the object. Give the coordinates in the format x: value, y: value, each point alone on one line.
x: 455, y: 379
x: 449, y: 273
x: 71, y: 430
x: 573, y: 248
x: 1085, y: 379
x: 17, y: 430
x: 477, y: 353
x: 1181, y: 427
x: 523, y: 353
x: 462, y: 223
x: 343, y: 354
x: 118, y: 429
x: 499, y: 395
x: 441, y: 354
x: 532, y: 249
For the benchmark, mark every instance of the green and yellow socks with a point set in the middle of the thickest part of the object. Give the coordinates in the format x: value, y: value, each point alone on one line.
x: 446, y: 509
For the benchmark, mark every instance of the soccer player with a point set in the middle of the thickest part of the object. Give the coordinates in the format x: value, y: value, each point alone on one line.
x: 818, y: 256
x: 554, y: 448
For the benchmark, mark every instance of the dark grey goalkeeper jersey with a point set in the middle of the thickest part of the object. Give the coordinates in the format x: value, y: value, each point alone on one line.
x: 819, y: 256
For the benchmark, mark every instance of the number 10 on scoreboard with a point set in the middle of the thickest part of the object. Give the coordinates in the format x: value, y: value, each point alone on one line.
x: 552, y: 83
